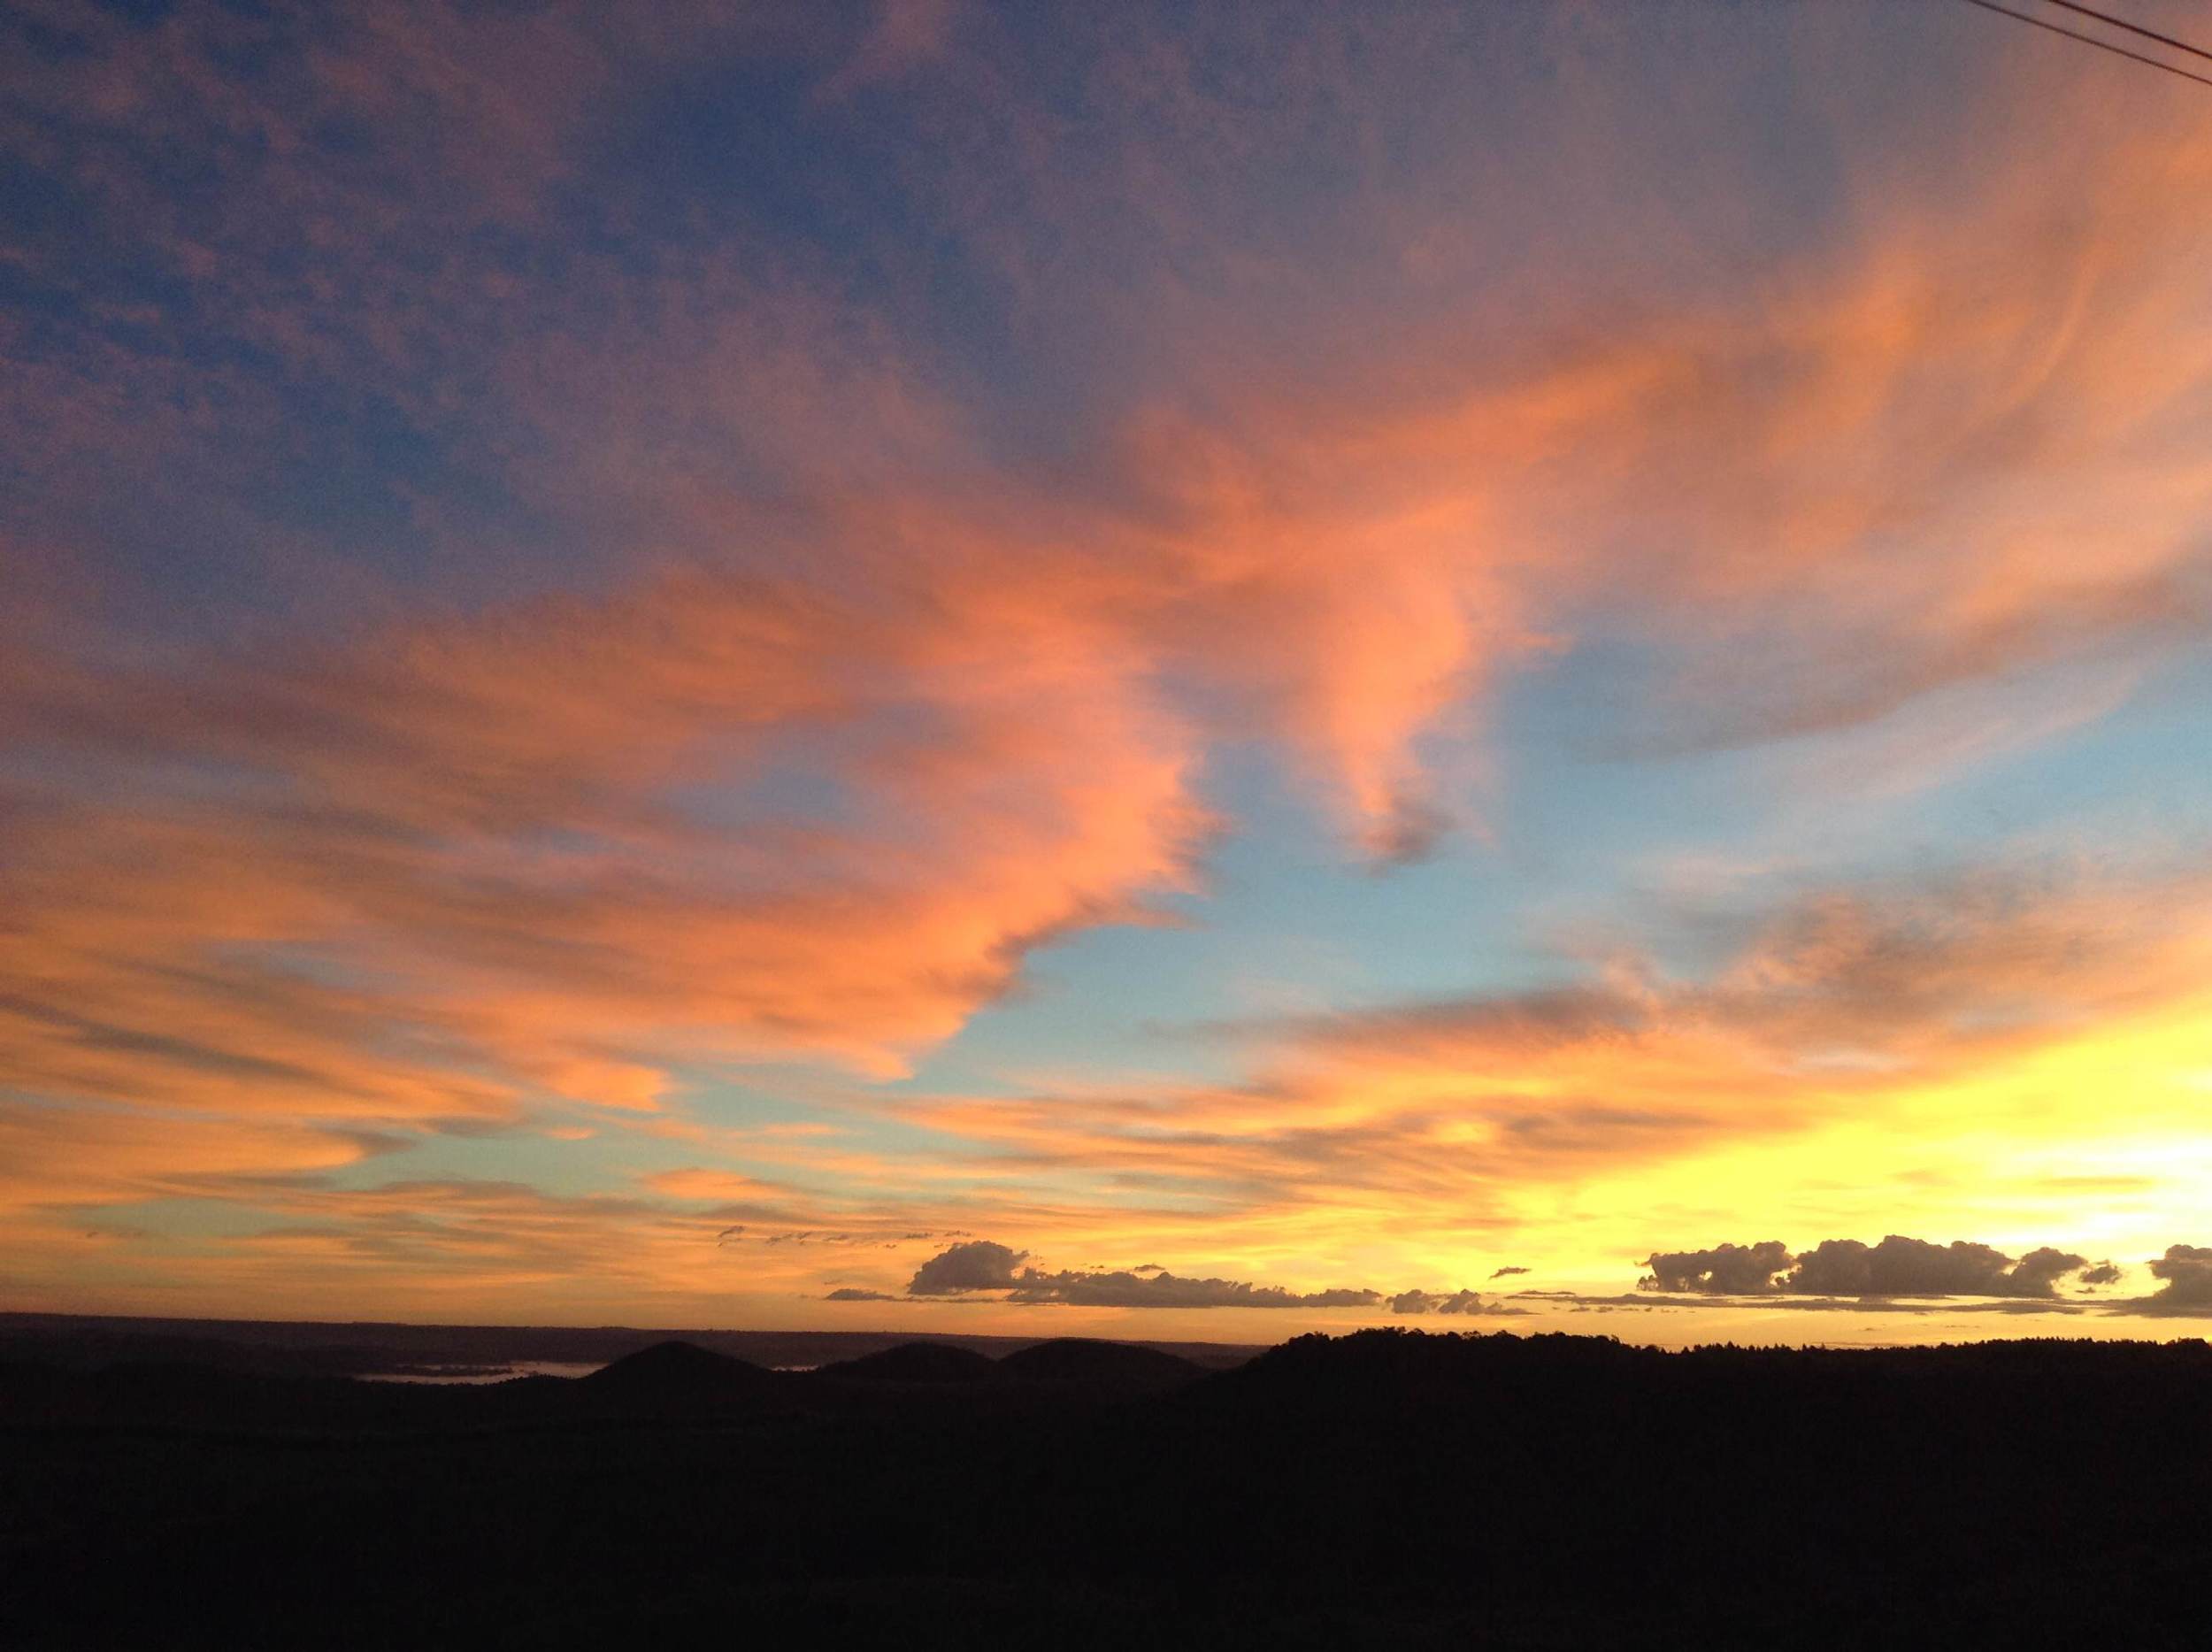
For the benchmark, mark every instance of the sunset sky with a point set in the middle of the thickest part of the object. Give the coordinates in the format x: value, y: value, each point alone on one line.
x: 1177, y: 671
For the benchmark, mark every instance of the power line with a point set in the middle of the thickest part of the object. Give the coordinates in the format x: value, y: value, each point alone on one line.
x: 2135, y: 28
x: 2101, y: 45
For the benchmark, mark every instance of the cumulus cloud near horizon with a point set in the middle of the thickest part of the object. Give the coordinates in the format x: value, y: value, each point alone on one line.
x: 2185, y: 1271
x: 981, y: 1266
x: 1459, y: 1302
x: 1963, y: 1276
x: 1898, y: 1266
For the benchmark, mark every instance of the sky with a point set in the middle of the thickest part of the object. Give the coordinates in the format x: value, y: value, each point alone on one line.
x: 1135, y: 671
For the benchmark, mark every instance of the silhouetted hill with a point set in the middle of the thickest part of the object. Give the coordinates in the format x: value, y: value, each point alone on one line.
x: 1116, y: 1366
x: 916, y: 1361
x: 294, y: 1348
x: 1421, y: 1370
x: 676, y: 1373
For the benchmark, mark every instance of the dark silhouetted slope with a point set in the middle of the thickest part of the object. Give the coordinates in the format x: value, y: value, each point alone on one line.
x: 1114, y: 1367
x: 289, y: 1348
x: 676, y: 1374
x: 935, y: 1363
x: 1385, y: 1489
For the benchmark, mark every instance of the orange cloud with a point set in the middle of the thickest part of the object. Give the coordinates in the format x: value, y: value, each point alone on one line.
x: 1890, y: 1013
x: 57, y: 1156
x: 469, y: 835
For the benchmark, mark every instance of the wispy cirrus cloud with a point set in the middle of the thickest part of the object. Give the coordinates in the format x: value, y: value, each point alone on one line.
x: 1840, y: 1005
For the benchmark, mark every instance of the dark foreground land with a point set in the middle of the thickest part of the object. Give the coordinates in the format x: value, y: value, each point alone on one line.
x: 288, y: 1347
x: 1384, y: 1489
